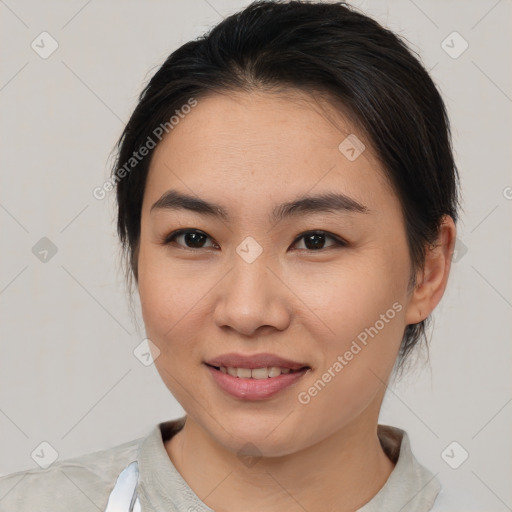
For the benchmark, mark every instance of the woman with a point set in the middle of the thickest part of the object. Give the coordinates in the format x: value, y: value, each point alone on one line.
x: 287, y: 199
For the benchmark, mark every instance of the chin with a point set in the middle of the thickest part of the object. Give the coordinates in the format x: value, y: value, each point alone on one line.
x: 253, y: 435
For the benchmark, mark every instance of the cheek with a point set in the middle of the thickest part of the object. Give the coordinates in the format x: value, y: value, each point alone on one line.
x: 368, y: 322
x: 361, y: 305
x: 163, y: 293
x: 175, y: 309
x: 165, y: 289
x: 354, y: 294
x: 169, y: 303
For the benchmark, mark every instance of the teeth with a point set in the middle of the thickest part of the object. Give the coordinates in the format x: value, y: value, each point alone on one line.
x: 256, y: 373
x: 244, y: 373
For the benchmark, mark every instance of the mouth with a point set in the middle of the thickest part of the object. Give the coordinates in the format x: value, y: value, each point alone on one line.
x: 250, y: 384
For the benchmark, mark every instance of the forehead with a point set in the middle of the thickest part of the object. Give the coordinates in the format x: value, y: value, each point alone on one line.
x: 256, y: 146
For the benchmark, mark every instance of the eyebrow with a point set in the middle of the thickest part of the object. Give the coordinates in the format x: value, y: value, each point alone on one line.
x: 323, y: 203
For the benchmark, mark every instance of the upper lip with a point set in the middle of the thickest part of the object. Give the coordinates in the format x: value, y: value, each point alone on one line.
x: 263, y: 360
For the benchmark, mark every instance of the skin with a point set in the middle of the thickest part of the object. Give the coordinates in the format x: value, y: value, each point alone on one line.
x: 249, y: 152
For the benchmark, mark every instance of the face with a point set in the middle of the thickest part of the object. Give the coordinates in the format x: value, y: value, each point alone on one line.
x: 324, y: 288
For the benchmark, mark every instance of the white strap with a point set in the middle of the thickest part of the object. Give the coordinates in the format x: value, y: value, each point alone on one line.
x: 123, y: 493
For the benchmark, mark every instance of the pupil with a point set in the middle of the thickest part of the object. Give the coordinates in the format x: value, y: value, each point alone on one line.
x: 317, y: 239
x: 194, y: 239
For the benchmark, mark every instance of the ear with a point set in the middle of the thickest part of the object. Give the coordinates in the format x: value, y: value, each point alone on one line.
x: 432, y: 278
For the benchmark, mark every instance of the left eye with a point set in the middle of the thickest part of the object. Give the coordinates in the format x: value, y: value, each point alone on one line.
x: 194, y: 239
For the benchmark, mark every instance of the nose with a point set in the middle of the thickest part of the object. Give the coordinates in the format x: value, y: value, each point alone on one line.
x: 252, y: 298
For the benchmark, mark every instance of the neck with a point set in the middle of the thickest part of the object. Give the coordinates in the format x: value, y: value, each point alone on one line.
x: 342, y: 472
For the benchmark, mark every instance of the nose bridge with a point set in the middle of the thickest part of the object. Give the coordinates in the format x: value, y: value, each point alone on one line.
x: 251, y: 277
x: 251, y: 295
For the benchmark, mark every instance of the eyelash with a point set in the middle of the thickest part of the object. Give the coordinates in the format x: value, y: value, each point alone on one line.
x: 338, y: 241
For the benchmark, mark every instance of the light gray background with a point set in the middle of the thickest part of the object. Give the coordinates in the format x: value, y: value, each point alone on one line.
x: 68, y: 375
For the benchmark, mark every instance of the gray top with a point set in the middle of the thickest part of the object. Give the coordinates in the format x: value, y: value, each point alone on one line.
x: 83, y: 483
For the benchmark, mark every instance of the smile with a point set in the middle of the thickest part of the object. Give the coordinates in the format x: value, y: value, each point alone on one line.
x: 254, y: 383
x: 255, y: 373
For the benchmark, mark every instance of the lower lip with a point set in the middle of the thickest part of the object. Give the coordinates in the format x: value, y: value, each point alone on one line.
x: 254, y: 389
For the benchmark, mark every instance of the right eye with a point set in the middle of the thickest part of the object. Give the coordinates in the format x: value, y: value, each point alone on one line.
x: 192, y: 238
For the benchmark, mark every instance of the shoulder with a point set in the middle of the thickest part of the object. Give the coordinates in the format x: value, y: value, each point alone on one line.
x: 80, y: 484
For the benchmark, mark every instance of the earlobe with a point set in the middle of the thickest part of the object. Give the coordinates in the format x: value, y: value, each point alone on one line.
x: 432, y: 279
